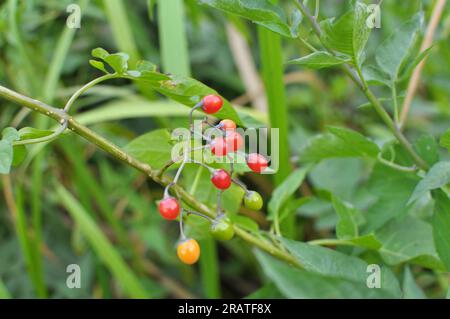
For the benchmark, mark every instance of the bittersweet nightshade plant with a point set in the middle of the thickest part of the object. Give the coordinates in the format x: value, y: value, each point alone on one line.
x: 404, y: 217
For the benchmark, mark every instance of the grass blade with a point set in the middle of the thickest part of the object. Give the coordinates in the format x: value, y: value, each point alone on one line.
x: 272, y: 71
x: 102, y: 247
x: 175, y: 58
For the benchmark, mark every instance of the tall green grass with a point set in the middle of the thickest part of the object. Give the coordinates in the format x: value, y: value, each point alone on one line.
x: 272, y: 72
x: 110, y: 257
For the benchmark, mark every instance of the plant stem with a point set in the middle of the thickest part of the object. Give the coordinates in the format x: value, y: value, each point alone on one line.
x: 359, y: 80
x: 119, y: 154
x: 395, y: 103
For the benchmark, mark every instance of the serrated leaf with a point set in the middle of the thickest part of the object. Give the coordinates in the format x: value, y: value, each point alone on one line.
x: 437, y: 176
x: 262, y: 12
x: 349, y: 34
x: 332, y: 263
x: 391, y: 54
x: 408, y: 240
x: 10, y: 134
x: 441, y: 226
x: 153, y: 148
x: 340, y: 142
x: 319, y: 60
x: 296, y: 283
x: 347, y: 226
x: 285, y: 190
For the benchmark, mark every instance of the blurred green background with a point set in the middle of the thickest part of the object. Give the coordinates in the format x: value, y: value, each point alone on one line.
x: 43, y: 58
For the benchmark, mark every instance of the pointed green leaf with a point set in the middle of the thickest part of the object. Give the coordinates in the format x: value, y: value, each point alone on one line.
x: 332, y: 263
x: 262, y: 12
x: 285, y: 190
x: 437, y: 176
x: 391, y: 54
x: 349, y: 34
x: 340, y: 142
x: 441, y: 226
x: 296, y: 283
x: 319, y: 60
x: 153, y: 148
x: 347, y: 226
x: 408, y: 240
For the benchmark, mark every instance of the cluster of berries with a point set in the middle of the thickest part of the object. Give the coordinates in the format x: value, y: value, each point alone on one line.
x: 230, y: 141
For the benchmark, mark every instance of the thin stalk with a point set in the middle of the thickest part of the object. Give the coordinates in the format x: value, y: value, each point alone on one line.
x: 359, y: 80
x: 395, y: 103
x: 120, y: 155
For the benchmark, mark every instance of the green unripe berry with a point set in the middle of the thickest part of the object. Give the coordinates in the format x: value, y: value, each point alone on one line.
x: 222, y: 229
x: 253, y: 200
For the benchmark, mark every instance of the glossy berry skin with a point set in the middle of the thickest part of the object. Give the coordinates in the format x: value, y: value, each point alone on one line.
x: 234, y: 140
x: 188, y: 251
x: 222, y: 229
x: 169, y: 208
x: 219, y: 146
x: 212, y: 104
x: 253, y: 200
x: 227, y: 125
x: 257, y: 163
x: 221, y: 179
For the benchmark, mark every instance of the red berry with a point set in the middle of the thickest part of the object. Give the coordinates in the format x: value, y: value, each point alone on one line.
x: 227, y: 125
x: 212, y: 104
x: 169, y: 208
x: 219, y: 147
x: 234, y: 141
x: 221, y: 179
x: 256, y: 162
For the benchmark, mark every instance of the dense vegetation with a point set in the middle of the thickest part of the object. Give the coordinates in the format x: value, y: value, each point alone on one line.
x: 361, y: 102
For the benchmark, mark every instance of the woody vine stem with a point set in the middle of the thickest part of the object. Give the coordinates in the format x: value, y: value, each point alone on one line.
x: 62, y: 117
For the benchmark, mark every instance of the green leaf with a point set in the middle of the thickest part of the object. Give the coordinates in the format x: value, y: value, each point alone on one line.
x: 28, y: 133
x: 441, y: 226
x: 427, y: 148
x: 445, y: 140
x: 100, y: 53
x: 340, y: 142
x: 374, y: 76
x: 285, y: 190
x: 118, y: 61
x: 319, y: 60
x: 408, y: 240
x: 349, y: 34
x: 103, y: 248
x: 409, y: 68
x: 392, y: 190
x: 246, y: 223
x: 153, y: 148
x: 268, y: 291
x: 410, y: 288
x: 98, y: 65
x: 262, y: 12
x: 367, y: 241
x: 391, y: 54
x: 437, y: 176
x: 296, y: 283
x: 9, y: 135
x: 189, y: 92
x: 19, y: 153
x: 347, y: 226
x: 332, y: 263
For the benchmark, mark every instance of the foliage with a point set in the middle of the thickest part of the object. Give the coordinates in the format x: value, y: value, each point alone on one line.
x: 357, y: 187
